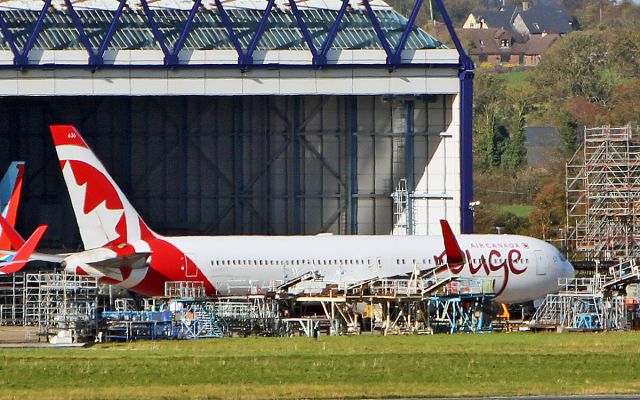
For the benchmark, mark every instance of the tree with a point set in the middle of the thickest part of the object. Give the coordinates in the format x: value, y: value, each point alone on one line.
x: 549, y: 213
x: 624, y: 52
x: 489, y: 90
x: 625, y: 104
x: 574, y: 66
x: 569, y: 132
x: 583, y: 112
x: 515, y: 152
x: 491, y: 140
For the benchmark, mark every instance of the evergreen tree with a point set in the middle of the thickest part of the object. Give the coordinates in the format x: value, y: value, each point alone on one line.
x: 515, y: 152
x: 569, y: 132
x: 491, y: 141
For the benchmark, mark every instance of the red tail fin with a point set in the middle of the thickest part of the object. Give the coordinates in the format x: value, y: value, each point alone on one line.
x: 455, y: 256
x: 104, y: 214
x: 14, y: 237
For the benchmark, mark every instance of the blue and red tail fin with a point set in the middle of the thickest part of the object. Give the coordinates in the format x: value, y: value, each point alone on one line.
x: 10, y: 192
x: 104, y: 214
x: 455, y: 255
x: 23, y: 254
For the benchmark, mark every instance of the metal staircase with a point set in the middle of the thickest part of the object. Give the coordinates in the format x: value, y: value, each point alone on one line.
x: 622, y: 274
x: 589, y: 304
x: 198, y: 320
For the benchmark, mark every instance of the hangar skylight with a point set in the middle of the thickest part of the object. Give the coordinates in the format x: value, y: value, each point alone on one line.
x: 282, y: 31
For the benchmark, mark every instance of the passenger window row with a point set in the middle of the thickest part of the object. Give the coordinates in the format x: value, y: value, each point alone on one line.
x: 243, y: 262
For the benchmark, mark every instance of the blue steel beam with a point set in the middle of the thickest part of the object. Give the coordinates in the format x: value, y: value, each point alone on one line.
x: 397, y: 55
x: 465, y: 61
x: 379, y: 32
x: 226, y: 21
x: 98, y: 58
x: 248, y: 56
x: 155, y: 29
x: 80, y: 27
x: 321, y: 59
x: 174, y: 60
x: 466, y: 151
x: 23, y: 58
x: 304, y: 29
x: 8, y: 37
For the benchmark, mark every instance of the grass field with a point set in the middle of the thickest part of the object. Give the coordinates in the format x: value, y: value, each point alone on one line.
x: 331, y: 367
x: 516, y: 79
x: 520, y: 210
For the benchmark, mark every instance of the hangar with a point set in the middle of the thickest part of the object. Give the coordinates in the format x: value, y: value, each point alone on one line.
x: 242, y: 116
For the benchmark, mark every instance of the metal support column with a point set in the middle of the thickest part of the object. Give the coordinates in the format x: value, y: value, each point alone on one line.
x: 409, y: 162
x: 466, y: 151
x: 353, y: 147
x: 238, y: 172
x: 184, y: 159
x: 127, y: 145
x: 294, y: 197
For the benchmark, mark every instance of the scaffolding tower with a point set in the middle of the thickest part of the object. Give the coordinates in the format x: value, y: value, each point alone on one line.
x: 61, y: 302
x: 603, y: 195
x: 11, y: 299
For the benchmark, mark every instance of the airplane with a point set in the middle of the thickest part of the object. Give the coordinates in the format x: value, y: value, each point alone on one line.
x: 120, y: 249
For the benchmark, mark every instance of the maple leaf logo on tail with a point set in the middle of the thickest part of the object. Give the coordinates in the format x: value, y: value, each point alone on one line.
x: 104, y: 214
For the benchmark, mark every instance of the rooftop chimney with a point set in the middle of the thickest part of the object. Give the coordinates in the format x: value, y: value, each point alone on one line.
x: 525, y: 5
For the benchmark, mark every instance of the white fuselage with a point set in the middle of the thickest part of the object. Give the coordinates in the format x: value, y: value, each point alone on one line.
x: 522, y: 268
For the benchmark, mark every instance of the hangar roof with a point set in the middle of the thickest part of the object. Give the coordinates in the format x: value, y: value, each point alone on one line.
x: 207, y: 32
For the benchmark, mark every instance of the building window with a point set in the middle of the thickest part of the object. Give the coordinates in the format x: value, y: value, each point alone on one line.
x: 504, y: 43
x: 483, y: 58
x: 481, y: 43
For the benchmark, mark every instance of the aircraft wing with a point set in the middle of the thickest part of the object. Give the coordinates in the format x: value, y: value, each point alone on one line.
x: 135, y: 261
x: 105, y: 260
x: 8, y: 255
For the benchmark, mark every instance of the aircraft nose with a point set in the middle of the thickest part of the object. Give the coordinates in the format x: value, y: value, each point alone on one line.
x: 567, y: 270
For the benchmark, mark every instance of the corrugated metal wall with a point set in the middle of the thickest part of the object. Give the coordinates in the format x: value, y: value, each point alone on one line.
x: 223, y: 165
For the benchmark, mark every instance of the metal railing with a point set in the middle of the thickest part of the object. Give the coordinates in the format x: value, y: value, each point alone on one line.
x: 184, y: 289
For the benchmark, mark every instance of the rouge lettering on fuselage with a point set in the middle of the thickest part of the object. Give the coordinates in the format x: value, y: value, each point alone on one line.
x: 486, y: 264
